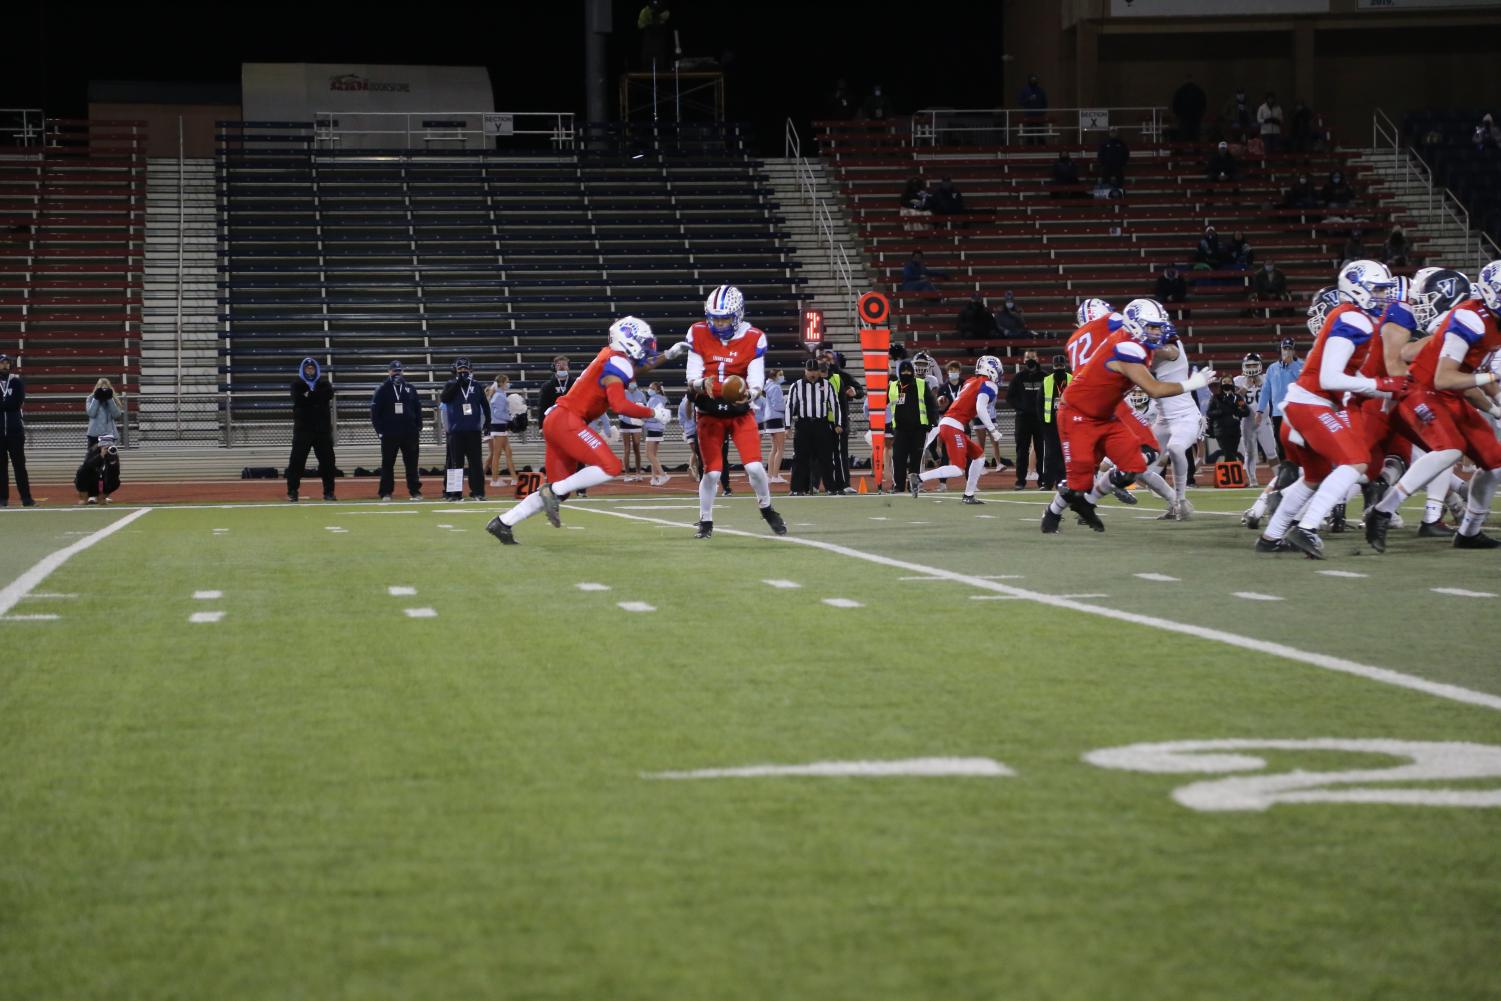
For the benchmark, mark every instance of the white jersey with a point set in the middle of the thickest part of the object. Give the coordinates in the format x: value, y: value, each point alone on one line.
x: 1251, y: 391
x: 1176, y: 369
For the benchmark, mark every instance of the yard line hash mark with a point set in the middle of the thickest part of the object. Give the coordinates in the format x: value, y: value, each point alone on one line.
x: 420, y: 613
x: 1459, y: 592
x: 636, y: 606
x: 205, y: 616
x: 400, y: 591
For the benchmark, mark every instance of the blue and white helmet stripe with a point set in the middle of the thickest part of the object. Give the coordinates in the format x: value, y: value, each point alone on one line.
x: 1489, y: 286
x: 723, y: 310
x: 1091, y: 309
x: 1140, y: 316
x: 633, y: 338
x: 1368, y: 284
x: 1324, y: 300
x: 988, y: 366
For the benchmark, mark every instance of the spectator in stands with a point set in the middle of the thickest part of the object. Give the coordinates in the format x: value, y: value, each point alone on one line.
x: 976, y: 322
x: 1487, y: 135
x: 468, y: 415
x: 1355, y: 248
x: 916, y: 276
x: 1065, y: 175
x: 1238, y: 116
x: 103, y: 411
x: 99, y: 475
x: 1269, y: 119
x: 653, y: 22
x: 1396, y: 248
x: 876, y: 106
x: 1189, y: 104
x: 1223, y: 166
x: 1302, y: 195
x: 1112, y: 160
x: 1269, y: 284
x: 841, y: 103
x: 1024, y: 395
x: 1302, y: 127
x: 312, y: 428
x: 1337, y: 192
x: 554, y: 388
x: 915, y: 194
x: 13, y: 435
x: 1009, y: 320
x: 1171, y: 286
x: 1212, y: 252
x: 1239, y: 253
x: 499, y: 431
x: 396, y: 414
x: 1035, y: 101
x: 948, y: 199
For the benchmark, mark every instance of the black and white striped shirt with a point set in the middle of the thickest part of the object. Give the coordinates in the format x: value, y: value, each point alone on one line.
x: 810, y: 399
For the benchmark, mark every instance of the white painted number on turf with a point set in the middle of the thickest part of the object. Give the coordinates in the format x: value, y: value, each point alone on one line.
x: 1429, y: 761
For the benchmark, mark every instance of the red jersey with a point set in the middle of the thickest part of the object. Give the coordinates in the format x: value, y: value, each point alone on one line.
x: 1471, y: 323
x: 1097, y: 391
x: 587, y: 397
x: 1343, y: 321
x: 1088, y: 339
x: 967, y: 404
x: 744, y: 351
x: 1375, y: 360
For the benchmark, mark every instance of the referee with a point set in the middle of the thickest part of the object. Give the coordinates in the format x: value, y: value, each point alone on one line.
x: 810, y: 406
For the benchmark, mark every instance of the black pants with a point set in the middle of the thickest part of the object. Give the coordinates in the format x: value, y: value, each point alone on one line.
x: 1051, y: 474
x: 1229, y: 443
x: 464, y: 447
x: 906, y: 454
x: 322, y: 445
x: 407, y: 445
x: 13, y: 453
x: 1277, y: 437
x: 812, y: 454
x: 841, y: 459
x: 1028, y: 437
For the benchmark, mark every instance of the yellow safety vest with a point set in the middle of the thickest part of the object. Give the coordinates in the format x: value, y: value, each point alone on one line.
x: 1048, y: 382
x: 922, y: 402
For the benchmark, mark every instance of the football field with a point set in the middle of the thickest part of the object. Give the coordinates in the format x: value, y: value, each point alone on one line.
x: 914, y: 749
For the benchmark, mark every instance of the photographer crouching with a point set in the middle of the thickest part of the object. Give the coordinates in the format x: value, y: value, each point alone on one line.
x: 99, y: 476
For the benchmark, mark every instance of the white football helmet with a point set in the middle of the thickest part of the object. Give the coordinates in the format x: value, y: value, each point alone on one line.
x: 1368, y: 284
x: 1489, y: 286
x: 1250, y: 365
x: 1092, y: 309
x: 1146, y: 321
x: 988, y: 366
x: 724, y: 309
x: 633, y: 338
x: 1138, y: 399
x: 1435, y: 291
x: 922, y: 364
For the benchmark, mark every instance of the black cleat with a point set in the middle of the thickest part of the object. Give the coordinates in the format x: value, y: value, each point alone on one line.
x: 1376, y: 524
x: 329, y: 497
x: 774, y: 520
x: 1477, y: 541
x: 972, y: 499
x: 1337, y: 521
x: 705, y: 530
x: 551, y: 506
x: 1086, y: 512
x: 1123, y: 495
x: 1306, y: 542
x: 501, y: 531
x: 1050, y: 522
x: 292, y: 496
x: 1434, y: 530
x: 914, y: 484
x: 1265, y: 545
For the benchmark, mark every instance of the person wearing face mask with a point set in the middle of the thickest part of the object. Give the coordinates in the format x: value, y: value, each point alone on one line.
x: 630, y: 435
x: 396, y: 414
x: 1053, y: 383
x: 555, y: 388
x: 12, y: 435
x: 911, y: 412
x: 1269, y: 285
x: 776, y: 422
x: 468, y: 415
x: 1302, y: 195
x: 656, y: 402
x: 1024, y: 396
x: 312, y: 427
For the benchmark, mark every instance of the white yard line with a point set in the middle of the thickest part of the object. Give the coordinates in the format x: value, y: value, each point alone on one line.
x: 1162, y: 577
x: 1256, y: 596
x: 1340, y: 573
x: 1459, y: 592
x: 1327, y: 662
x: 22, y: 585
x: 969, y: 767
x: 29, y: 618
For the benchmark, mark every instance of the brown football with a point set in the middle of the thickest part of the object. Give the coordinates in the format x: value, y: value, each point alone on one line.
x: 733, y: 389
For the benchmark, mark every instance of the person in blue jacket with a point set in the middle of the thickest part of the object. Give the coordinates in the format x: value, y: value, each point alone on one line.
x: 396, y: 413
x: 468, y: 418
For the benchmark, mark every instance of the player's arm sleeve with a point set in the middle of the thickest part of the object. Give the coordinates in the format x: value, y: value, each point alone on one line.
x: 982, y: 407
x: 694, y: 367
x: 1338, y: 350
x: 620, y: 403
x: 755, y: 372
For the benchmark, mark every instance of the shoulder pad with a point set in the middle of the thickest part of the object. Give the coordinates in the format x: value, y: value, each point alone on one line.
x: 1130, y: 351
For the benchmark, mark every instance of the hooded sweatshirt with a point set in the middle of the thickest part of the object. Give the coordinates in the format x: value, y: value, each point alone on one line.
x: 310, y: 400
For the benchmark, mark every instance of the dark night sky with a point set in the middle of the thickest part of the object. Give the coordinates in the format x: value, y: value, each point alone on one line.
x: 784, y: 56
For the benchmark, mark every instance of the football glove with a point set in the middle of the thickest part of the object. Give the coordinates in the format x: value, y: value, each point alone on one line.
x: 677, y: 350
x: 1198, y: 380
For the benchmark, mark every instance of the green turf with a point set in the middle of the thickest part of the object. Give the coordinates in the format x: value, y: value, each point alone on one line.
x: 319, y: 797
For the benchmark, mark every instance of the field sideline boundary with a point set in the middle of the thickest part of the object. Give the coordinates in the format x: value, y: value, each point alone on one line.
x: 22, y: 585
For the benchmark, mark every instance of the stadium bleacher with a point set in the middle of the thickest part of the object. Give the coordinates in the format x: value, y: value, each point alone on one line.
x: 1054, y: 251
x: 360, y: 257
x: 1444, y: 140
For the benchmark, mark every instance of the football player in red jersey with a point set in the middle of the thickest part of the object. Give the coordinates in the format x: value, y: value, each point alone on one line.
x: 1451, y: 386
x: 720, y: 345
x: 1089, y: 415
x: 577, y: 456
x: 966, y: 456
x: 1317, y: 432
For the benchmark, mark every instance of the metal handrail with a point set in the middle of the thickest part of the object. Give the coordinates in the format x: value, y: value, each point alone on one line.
x: 444, y: 126
x: 26, y: 126
x: 930, y: 126
x: 792, y: 146
x: 1442, y: 203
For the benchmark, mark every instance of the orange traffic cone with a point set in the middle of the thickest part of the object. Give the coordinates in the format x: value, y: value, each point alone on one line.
x: 862, y: 489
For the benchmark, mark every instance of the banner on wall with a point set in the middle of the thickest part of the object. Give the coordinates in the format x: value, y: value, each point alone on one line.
x: 1214, y: 8
x: 1425, y: 4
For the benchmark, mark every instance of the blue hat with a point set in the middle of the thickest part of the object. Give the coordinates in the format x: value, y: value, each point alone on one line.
x: 1288, y: 344
x: 395, y: 366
